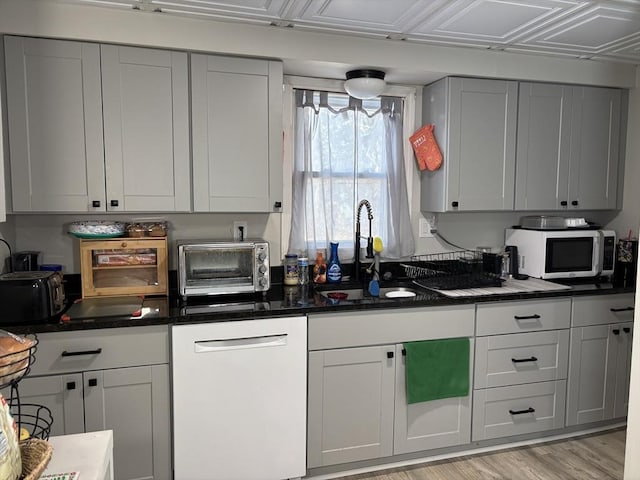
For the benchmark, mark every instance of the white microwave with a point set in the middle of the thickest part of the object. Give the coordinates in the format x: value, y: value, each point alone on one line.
x: 551, y: 254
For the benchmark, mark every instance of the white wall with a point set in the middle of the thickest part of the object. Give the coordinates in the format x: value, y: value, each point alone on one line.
x: 631, y: 458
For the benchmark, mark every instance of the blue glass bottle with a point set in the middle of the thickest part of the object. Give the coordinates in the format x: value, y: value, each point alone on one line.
x: 334, y: 269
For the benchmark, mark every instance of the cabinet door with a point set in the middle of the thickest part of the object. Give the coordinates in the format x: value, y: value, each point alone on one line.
x: 146, y: 129
x: 592, y: 374
x: 350, y: 410
x: 433, y: 424
x: 482, y: 144
x: 55, y: 135
x: 61, y: 394
x: 237, y: 134
x: 595, y: 137
x: 134, y: 403
x: 543, y: 146
x: 623, y: 368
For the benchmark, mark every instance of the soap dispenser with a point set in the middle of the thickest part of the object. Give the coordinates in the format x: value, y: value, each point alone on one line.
x: 334, y: 269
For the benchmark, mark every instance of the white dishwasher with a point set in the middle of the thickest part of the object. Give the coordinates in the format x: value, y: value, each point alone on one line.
x: 239, y: 399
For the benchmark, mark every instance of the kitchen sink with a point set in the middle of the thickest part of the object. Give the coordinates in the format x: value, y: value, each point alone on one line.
x: 352, y: 294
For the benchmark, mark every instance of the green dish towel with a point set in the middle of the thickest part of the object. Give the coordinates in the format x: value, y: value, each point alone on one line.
x: 437, y: 369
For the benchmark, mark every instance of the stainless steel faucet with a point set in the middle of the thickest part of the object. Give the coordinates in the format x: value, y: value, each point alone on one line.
x: 356, y: 254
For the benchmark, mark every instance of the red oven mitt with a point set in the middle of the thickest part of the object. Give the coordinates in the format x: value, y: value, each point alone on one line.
x: 426, y: 149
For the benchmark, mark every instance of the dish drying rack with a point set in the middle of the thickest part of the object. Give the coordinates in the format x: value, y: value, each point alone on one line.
x: 451, y: 271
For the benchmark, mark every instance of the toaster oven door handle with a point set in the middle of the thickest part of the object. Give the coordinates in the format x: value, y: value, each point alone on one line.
x: 81, y: 352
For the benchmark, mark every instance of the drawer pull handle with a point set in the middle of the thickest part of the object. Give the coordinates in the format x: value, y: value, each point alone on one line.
x: 389, y: 354
x: 616, y: 331
x: 625, y: 309
x: 93, y: 382
x: 82, y: 352
x: 71, y: 385
x: 521, y: 412
x: 626, y: 329
x: 535, y: 316
x: 522, y: 360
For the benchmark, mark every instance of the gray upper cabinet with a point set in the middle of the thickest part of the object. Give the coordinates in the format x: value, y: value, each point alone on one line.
x: 97, y: 128
x: 55, y: 124
x: 595, y: 142
x: 543, y: 146
x: 237, y: 134
x: 475, y: 127
x: 567, y: 149
x: 146, y: 129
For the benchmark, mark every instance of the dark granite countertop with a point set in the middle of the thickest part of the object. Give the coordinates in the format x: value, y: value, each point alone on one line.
x: 278, y: 301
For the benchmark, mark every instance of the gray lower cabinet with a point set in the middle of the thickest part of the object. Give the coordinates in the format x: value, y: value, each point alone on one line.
x: 350, y: 405
x: 116, y: 379
x: 429, y: 425
x: 600, y: 358
x: 520, y: 367
x: 518, y: 409
x: 357, y: 408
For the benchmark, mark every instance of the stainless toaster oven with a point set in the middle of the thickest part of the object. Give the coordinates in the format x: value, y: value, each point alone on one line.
x: 220, y: 268
x: 30, y: 297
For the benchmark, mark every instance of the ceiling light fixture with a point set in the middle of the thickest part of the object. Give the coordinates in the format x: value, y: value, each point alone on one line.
x: 364, y: 84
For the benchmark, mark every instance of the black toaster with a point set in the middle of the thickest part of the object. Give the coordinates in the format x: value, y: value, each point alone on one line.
x: 30, y: 297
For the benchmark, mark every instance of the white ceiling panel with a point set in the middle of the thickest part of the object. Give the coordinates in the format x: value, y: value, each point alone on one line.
x: 596, y: 30
x: 607, y: 30
x: 494, y: 21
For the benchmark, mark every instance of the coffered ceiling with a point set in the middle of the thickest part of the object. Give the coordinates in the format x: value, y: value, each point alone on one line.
x: 599, y: 30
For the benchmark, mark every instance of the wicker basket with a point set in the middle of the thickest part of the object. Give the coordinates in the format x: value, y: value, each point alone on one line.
x: 36, y: 454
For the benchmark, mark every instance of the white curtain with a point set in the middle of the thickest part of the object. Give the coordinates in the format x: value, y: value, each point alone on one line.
x: 347, y: 150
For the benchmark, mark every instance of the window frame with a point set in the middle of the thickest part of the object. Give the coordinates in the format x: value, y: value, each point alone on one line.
x: 407, y: 93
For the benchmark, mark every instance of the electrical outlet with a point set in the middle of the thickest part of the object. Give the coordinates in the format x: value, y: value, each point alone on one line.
x: 426, y: 228
x: 239, y: 231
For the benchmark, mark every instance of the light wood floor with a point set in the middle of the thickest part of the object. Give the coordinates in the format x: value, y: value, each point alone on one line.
x: 591, y: 457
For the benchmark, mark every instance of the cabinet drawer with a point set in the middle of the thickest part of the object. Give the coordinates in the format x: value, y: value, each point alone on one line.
x: 505, y: 411
x: 101, y: 349
x: 517, y: 317
x: 389, y: 326
x: 519, y: 358
x: 602, y: 309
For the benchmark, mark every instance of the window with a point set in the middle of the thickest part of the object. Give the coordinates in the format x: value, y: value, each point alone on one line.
x: 347, y: 150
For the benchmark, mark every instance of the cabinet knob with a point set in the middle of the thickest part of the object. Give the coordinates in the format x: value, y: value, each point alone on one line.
x: 93, y: 382
x: 277, y: 205
x: 95, y: 204
x: 563, y: 203
x: 71, y: 385
x: 626, y: 329
x: 454, y: 204
x: 114, y: 203
x: 389, y: 354
x: 616, y: 331
x: 123, y: 244
x: 574, y: 203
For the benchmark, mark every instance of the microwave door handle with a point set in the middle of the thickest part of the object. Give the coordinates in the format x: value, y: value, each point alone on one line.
x: 598, y: 253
